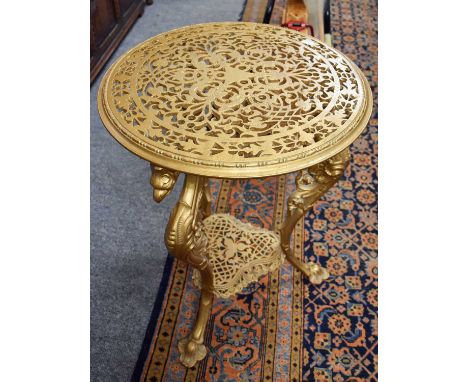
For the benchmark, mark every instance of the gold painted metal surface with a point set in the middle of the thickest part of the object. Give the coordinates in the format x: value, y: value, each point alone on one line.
x: 238, y: 252
x: 227, y: 254
x: 311, y: 185
x: 163, y: 181
x: 186, y: 240
x: 234, y: 100
x: 191, y: 348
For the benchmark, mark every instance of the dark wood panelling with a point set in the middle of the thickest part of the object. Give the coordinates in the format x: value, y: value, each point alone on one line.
x: 105, y: 20
x: 125, y: 5
x: 110, y: 22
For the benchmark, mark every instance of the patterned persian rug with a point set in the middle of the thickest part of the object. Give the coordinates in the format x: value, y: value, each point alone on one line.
x: 283, y: 328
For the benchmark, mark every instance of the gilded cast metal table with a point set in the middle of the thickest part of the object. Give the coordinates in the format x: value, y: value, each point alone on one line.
x: 234, y: 100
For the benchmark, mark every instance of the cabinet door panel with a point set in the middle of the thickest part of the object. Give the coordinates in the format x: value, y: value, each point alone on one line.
x: 104, y: 20
x: 110, y: 21
x: 125, y: 5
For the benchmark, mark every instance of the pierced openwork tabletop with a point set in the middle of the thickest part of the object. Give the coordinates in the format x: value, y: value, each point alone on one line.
x: 234, y: 100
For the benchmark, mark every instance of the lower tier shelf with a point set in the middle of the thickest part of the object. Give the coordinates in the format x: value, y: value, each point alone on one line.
x: 238, y: 252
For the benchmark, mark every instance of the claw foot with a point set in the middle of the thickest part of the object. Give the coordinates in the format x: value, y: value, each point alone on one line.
x: 316, y: 273
x: 191, y: 352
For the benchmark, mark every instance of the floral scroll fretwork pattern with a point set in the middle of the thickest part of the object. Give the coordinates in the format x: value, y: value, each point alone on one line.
x: 239, y: 253
x: 234, y: 93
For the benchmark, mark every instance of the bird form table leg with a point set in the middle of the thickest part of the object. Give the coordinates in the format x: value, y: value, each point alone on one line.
x: 186, y: 241
x: 311, y: 184
x: 206, y: 202
x: 191, y: 348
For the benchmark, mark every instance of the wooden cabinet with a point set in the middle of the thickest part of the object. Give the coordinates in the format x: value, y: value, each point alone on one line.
x: 110, y: 22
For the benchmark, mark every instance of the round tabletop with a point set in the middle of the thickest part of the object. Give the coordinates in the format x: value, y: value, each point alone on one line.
x: 234, y: 100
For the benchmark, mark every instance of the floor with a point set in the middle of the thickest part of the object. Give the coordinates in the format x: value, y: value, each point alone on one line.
x: 127, y: 228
